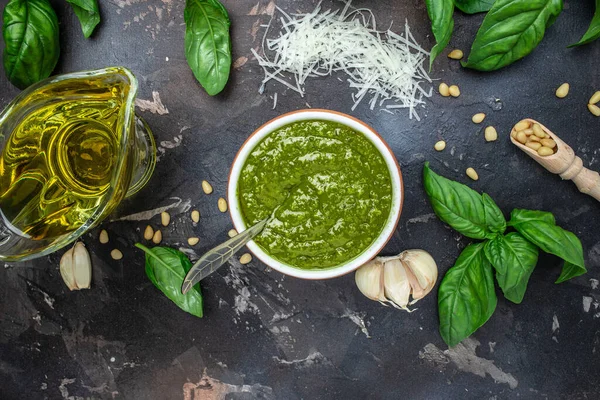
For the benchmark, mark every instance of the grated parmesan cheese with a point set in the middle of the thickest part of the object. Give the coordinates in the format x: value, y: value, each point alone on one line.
x: 381, y: 65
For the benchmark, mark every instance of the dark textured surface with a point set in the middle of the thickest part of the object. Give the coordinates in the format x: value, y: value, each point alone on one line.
x: 268, y: 336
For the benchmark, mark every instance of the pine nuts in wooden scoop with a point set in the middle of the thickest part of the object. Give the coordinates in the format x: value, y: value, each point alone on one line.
x: 534, y: 137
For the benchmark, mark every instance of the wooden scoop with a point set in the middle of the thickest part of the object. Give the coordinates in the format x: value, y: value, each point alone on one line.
x: 564, y: 163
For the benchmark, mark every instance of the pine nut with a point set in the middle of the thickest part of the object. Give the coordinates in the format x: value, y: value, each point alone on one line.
x: 232, y: 233
x: 528, y: 131
x: 521, y: 125
x: 471, y: 173
x: 562, y: 91
x: 196, y: 216
x: 148, y: 233
x: 193, y: 241
x: 548, y: 143
x: 103, y: 236
x: 245, y: 258
x: 478, y: 118
x: 165, y: 218
x: 545, y: 151
x: 521, y: 137
x: 513, y: 134
x: 439, y: 146
x: 533, y: 145
x: 116, y: 254
x: 444, y: 89
x: 207, y: 187
x: 594, y: 109
x: 157, y: 238
x: 455, y: 54
x: 454, y: 91
x: 538, y: 131
x: 595, y: 98
x: 222, y: 204
x: 533, y: 138
x: 490, y: 134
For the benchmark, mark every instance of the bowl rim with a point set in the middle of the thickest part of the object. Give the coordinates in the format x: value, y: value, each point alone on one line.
x: 297, y: 272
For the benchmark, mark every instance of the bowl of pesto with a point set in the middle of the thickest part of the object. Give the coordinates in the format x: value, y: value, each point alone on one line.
x: 329, y: 185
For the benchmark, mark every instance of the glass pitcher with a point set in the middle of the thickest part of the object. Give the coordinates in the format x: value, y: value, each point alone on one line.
x: 72, y: 149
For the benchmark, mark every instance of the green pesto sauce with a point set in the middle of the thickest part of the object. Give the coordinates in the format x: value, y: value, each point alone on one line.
x: 332, y: 187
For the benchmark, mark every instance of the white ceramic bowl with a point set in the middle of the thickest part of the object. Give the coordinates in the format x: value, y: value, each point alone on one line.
x: 314, y: 114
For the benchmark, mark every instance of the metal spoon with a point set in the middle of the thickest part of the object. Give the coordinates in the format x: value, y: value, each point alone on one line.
x: 217, y: 256
x: 564, y: 163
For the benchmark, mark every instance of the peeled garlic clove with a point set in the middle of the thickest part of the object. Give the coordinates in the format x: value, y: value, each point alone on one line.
x: 369, y: 280
x: 82, y: 266
x: 423, y: 271
x: 396, y: 284
x: 66, y: 269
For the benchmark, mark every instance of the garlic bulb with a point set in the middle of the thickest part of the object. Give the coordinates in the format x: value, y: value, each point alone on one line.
x: 392, y: 280
x: 76, y: 267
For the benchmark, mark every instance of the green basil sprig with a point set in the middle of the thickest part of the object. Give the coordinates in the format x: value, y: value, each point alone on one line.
x: 466, y: 296
x: 593, y: 31
x: 442, y: 24
x: 473, y: 6
x: 166, y: 268
x: 207, y: 43
x: 30, y: 35
x: 510, y: 31
x: 88, y: 14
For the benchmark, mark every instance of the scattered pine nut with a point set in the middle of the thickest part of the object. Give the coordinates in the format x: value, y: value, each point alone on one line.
x: 521, y: 125
x: 245, y: 258
x: 148, y: 233
x: 193, y: 241
x: 103, y: 236
x: 439, y: 146
x: 545, y: 151
x: 478, y: 118
x: 562, y: 91
x: 157, y: 238
x: 165, y: 218
x: 455, y: 54
x: 232, y: 233
x: 116, y: 254
x: 454, y: 91
x: 471, y: 173
x: 444, y: 90
x: 196, y: 216
x: 594, y: 109
x: 490, y: 134
x: 207, y: 187
x: 595, y: 98
x: 222, y: 203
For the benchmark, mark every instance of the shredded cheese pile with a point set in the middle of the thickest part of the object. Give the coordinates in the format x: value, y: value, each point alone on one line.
x: 381, y: 65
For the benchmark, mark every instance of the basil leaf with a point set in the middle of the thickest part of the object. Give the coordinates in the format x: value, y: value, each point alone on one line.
x: 88, y: 14
x: 30, y: 35
x: 456, y: 204
x: 494, y: 219
x: 569, y: 271
x: 207, y: 43
x: 513, y: 258
x: 520, y: 215
x: 166, y: 268
x: 473, y: 6
x: 593, y: 31
x: 510, y: 31
x: 466, y: 297
x: 554, y: 240
x: 440, y: 14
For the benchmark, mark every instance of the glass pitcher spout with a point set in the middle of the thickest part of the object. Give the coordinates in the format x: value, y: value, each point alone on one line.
x: 72, y: 149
